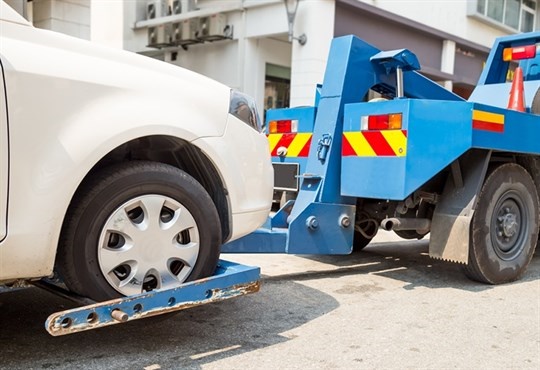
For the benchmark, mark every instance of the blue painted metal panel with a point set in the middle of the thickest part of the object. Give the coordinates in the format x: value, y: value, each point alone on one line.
x: 496, y: 68
x: 306, y: 120
x: 325, y: 236
x: 438, y: 132
x: 520, y: 135
x: 263, y: 240
x: 329, y: 237
x: 304, y: 115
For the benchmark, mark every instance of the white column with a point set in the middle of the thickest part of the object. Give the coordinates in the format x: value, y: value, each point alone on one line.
x: 448, y: 58
x: 315, y: 18
x: 107, y: 22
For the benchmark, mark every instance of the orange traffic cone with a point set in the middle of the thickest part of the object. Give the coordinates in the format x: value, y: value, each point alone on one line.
x: 517, y: 97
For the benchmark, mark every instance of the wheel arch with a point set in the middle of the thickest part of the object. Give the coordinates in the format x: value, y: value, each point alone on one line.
x: 176, y: 152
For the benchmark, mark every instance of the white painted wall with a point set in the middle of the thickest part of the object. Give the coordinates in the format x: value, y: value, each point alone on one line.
x: 315, y: 19
x: 71, y: 17
x: 445, y: 15
x: 260, y: 28
x: 107, y: 22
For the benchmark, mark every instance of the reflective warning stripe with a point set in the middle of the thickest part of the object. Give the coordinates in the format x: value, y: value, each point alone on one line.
x: 273, y: 139
x: 358, y: 144
x: 487, y: 121
x: 297, y: 144
x: 397, y: 140
x: 386, y: 143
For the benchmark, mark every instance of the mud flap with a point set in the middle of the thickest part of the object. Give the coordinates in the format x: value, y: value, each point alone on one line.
x: 449, y: 239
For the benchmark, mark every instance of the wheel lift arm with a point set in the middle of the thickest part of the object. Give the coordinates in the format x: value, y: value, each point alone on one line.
x: 230, y: 280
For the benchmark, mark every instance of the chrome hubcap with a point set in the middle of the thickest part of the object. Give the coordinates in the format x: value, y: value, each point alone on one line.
x: 149, y: 242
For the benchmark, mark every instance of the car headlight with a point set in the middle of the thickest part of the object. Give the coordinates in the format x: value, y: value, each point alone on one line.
x: 243, y: 107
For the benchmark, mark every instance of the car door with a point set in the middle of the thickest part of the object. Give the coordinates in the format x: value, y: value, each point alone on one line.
x: 4, y: 156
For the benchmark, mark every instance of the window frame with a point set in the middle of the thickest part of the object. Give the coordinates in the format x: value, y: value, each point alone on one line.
x: 474, y: 13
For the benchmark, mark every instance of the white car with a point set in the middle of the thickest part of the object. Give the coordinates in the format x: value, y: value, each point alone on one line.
x: 121, y: 173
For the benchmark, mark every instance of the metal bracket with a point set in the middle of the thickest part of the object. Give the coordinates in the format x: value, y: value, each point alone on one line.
x: 322, y: 147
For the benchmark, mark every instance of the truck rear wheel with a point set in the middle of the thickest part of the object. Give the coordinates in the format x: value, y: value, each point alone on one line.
x: 504, y: 228
x: 535, y: 106
x: 136, y: 227
x: 365, y: 229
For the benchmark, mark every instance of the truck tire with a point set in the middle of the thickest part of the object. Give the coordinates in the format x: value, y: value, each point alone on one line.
x: 535, y: 106
x: 135, y: 227
x: 360, y: 242
x: 504, y: 228
x: 365, y: 230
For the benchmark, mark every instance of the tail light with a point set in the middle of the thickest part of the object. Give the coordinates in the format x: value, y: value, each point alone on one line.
x: 283, y: 126
x: 390, y: 121
x: 519, y: 53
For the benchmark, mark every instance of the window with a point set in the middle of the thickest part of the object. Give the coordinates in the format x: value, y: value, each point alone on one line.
x: 277, y: 87
x: 519, y: 15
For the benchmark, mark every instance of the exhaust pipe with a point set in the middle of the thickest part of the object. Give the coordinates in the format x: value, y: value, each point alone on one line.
x: 421, y: 225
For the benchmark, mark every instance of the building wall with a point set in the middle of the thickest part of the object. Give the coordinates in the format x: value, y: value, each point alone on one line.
x: 448, y: 16
x: 315, y: 19
x: 261, y: 36
x: 259, y: 33
x: 107, y: 22
x: 71, y: 17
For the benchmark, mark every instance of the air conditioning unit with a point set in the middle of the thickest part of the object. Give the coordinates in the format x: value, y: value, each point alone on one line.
x: 176, y: 6
x: 157, y: 9
x: 190, y: 29
x: 158, y: 36
x: 189, y: 5
x: 176, y: 33
x: 214, y: 28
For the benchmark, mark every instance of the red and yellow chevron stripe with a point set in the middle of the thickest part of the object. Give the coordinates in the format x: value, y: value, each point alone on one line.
x: 487, y: 121
x: 297, y: 144
x: 386, y: 143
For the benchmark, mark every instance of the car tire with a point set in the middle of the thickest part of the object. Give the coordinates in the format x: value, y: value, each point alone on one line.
x: 135, y: 227
x: 504, y: 228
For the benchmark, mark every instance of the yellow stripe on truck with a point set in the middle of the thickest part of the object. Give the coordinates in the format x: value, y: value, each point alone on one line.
x: 397, y: 141
x: 359, y: 144
x: 479, y: 115
x: 273, y: 140
x: 296, y: 146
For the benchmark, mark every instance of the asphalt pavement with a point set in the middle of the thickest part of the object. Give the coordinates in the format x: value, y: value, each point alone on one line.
x: 389, y: 307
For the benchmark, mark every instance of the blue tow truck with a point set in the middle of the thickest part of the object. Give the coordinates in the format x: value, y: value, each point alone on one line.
x: 418, y: 160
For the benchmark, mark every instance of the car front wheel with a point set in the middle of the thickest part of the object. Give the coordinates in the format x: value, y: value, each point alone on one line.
x: 136, y: 227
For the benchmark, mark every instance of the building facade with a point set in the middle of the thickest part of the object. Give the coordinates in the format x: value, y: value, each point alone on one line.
x: 246, y: 45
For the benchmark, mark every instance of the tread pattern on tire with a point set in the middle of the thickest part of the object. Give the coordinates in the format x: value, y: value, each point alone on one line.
x: 476, y: 269
x: 93, y: 188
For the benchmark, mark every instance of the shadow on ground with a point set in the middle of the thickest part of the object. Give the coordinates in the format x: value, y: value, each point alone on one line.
x: 185, y: 340
x: 208, y: 333
x: 406, y: 261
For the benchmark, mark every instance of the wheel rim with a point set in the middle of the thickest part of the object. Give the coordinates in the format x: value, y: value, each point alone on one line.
x: 149, y: 242
x: 509, y: 226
